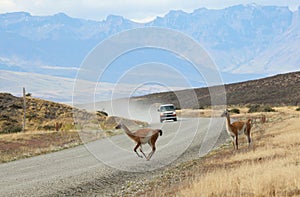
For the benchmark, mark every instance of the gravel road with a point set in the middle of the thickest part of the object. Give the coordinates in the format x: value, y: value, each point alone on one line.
x: 100, y: 167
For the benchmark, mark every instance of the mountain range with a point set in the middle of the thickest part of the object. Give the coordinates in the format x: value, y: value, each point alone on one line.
x: 245, y: 41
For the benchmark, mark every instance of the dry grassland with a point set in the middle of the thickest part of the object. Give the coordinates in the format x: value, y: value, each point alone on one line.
x: 32, y: 143
x: 270, y: 168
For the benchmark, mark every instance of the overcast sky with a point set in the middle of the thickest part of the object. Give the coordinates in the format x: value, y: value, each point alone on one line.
x: 138, y: 10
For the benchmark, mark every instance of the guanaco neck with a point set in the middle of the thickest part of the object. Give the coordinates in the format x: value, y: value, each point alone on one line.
x: 228, y: 121
x: 127, y: 131
x: 125, y: 128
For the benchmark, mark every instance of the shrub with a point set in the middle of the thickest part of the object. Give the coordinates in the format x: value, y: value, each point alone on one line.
x: 31, y: 116
x: 258, y: 108
x: 177, y: 108
x: 11, y: 128
x: 68, y: 126
x: 254, y: 108
x: 47, y: 127
x: 268, y: 109
x: 235, y: 111
x: 4, y: 117
x: 298, y: 109
x: 101, y: 113
x: 16, y: 106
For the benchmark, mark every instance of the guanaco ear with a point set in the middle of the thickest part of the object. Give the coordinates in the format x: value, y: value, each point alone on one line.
x: 224, y: 113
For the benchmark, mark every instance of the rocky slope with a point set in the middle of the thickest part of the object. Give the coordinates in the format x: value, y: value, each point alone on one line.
x: 40, y: 114
x: 45, y: 115
x: 283, y: 89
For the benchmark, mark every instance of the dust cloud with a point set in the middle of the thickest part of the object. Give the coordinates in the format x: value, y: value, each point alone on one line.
x: 130, y: 109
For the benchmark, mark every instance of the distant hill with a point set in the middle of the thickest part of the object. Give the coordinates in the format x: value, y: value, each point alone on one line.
x: 283, y: 89
x: 43, y: 115
x: 40, y: 114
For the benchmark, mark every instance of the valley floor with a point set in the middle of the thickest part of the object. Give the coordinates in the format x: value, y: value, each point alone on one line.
x: 271, y: 167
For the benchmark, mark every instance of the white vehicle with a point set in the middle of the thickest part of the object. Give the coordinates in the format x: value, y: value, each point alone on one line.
x: 167, y: 112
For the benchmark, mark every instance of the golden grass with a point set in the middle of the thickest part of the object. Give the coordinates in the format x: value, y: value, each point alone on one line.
x: 22, y: 135
x: 271, y: 168
x: 269, y: 178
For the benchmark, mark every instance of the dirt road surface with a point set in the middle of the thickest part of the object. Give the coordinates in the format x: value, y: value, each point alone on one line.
x: 100, y: 167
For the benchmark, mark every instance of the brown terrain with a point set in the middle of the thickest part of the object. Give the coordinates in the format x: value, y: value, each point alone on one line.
x: 283, y: 89
x: 49, y: 127
x: 40, y: 114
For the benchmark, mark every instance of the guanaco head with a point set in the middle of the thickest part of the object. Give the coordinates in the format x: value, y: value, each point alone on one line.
x: 225, y: 113
x: 118, y: 126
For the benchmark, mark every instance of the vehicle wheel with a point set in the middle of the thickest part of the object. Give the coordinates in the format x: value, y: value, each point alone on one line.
x: 161, y: 120
x: 175, y: 119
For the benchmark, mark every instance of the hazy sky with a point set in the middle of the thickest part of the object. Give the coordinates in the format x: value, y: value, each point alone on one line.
x: 138, y: 10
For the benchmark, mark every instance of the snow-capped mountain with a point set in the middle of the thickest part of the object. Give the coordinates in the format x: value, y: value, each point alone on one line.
x: 35, y: 44
x: 236, y: 37
x: 281, y: 55
x: 245, y: 41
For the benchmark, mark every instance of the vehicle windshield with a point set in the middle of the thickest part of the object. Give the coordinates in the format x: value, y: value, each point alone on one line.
x: 167, y: 108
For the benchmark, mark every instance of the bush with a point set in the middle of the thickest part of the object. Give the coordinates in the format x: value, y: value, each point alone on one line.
x: 4, y: 117
x: 68, y: 127
x: 177, y: 108
x: 47, y: 127
x: 31, y: 116
x: 235, y: 111
x: 254, y: 108
x: 268, y: 109
x: 258, y: 108
x: 298, y: 109
x: 101, y: 113
x: 11, y: 128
